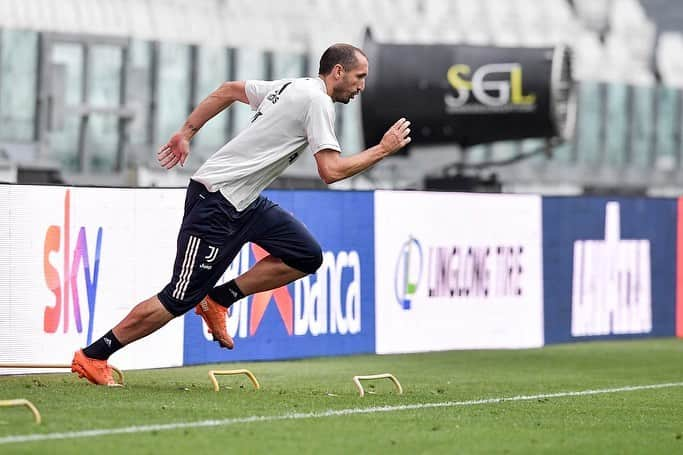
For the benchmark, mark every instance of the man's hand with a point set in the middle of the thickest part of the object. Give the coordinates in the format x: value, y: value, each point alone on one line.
x: 396, y: 137
x: 174, y: 152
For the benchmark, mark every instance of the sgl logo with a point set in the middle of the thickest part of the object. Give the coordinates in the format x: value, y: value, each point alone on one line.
x: 408, y: 272
x: 327, y: 302
x: 492, y: 92
x: 65, y: 286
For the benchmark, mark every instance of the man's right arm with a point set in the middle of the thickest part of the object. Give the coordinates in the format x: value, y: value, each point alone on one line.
x: 217, y: 101
x: 178, y: 147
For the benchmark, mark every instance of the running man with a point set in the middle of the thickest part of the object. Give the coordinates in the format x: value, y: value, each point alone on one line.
x: 224, y: 208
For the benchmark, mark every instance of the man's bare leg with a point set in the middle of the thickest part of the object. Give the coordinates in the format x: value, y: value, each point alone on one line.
x: 91, y: 362
x: 145, y: 318
x: 150, y: 315
x: 268, y: 273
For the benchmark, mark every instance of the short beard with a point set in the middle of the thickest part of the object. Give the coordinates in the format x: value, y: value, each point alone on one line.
x: 342, y: 100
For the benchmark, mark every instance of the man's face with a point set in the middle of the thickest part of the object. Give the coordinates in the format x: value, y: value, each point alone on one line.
x: 350, y: 81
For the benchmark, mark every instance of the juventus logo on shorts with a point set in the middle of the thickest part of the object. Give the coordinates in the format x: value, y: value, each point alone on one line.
x: 213, y: 253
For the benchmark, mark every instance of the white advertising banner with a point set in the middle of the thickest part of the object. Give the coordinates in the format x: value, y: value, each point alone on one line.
x: 78, y: 260
x: 457, y: 271
x: 6, y: 335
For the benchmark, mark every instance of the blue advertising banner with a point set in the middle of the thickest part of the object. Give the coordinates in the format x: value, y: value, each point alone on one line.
x: 609, y: 268
x: 329, y: 313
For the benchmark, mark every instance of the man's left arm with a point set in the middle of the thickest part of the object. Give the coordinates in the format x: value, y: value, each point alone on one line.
x: 333, y: 167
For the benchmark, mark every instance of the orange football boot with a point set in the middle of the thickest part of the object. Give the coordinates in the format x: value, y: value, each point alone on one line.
x: 94, y: 370
x: 216, y: 317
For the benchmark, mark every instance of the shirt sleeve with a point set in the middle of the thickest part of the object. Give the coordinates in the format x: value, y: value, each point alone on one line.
x: 257, y: 90
x: 319, y: 125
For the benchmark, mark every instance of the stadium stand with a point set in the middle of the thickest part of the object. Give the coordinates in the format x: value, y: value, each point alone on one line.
x: 91, y: 87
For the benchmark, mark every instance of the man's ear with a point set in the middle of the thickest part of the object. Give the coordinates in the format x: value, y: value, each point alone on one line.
x: 338, y: 69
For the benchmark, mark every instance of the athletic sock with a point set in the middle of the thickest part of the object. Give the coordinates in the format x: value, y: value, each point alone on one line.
x: 226, y: 294
x: 104, y: 347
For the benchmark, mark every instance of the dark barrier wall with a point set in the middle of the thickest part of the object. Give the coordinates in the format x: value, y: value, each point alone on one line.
x: 461, y: 94
x: 609, y: 268
x: 328, y: 313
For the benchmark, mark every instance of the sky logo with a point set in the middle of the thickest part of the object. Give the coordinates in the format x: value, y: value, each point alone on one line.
x: 408, y: 272
x: 65, y: 287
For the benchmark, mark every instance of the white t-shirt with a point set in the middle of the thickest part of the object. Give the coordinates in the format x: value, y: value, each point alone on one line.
x: 291, y: 116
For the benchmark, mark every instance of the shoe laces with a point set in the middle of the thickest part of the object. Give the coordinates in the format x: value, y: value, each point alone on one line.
x: 213, y: 308
x: 105, y: 370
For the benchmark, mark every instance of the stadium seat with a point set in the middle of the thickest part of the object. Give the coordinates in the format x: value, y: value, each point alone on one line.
x: 473, y: 22
x: 558, y: 11
x: 162, y: 18
x: 626, y: 15
x: 620, y: 64
x: 630, y: 26
x: 7, y: 14
x: 139, y: 24
x: 403, y: 35
x: 593, y: 13
x: 588, y: 54
x: 450, y: 33
x: 18, y: 16
x: 400, y: 10
x: 564, y: 32
x: 502, y: 22
x: 669, y: 58
x: 437, y: 11
x: 424, y: 34
x: 562, y: 25
x: 533, y: 25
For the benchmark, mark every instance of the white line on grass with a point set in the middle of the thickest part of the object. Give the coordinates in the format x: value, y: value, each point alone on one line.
x: 315, y: 415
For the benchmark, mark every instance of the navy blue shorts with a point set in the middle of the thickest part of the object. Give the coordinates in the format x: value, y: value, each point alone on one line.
x: 213, y: 232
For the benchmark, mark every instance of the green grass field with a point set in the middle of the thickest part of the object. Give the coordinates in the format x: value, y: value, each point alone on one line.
x: 312, y: 406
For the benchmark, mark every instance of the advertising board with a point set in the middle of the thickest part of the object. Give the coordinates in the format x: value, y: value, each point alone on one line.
x: 327, y: 313
x: 609, y: 267
x: 77, y: 260
x: 457, y: 271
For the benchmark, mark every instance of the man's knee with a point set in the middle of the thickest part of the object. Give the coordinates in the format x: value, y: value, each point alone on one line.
x: 309, y: 262
x: 179, y: 307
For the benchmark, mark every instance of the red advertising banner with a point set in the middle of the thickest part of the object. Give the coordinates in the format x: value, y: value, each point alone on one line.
x: 679, y: 271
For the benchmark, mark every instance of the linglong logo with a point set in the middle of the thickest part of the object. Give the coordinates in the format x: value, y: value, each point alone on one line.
x: 492, y: 94
x: 408, y: 272
x: 57, y: 239
x: 458, y: 272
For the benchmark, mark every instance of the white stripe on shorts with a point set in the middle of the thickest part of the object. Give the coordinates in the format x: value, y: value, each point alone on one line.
x: 186, y: 270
